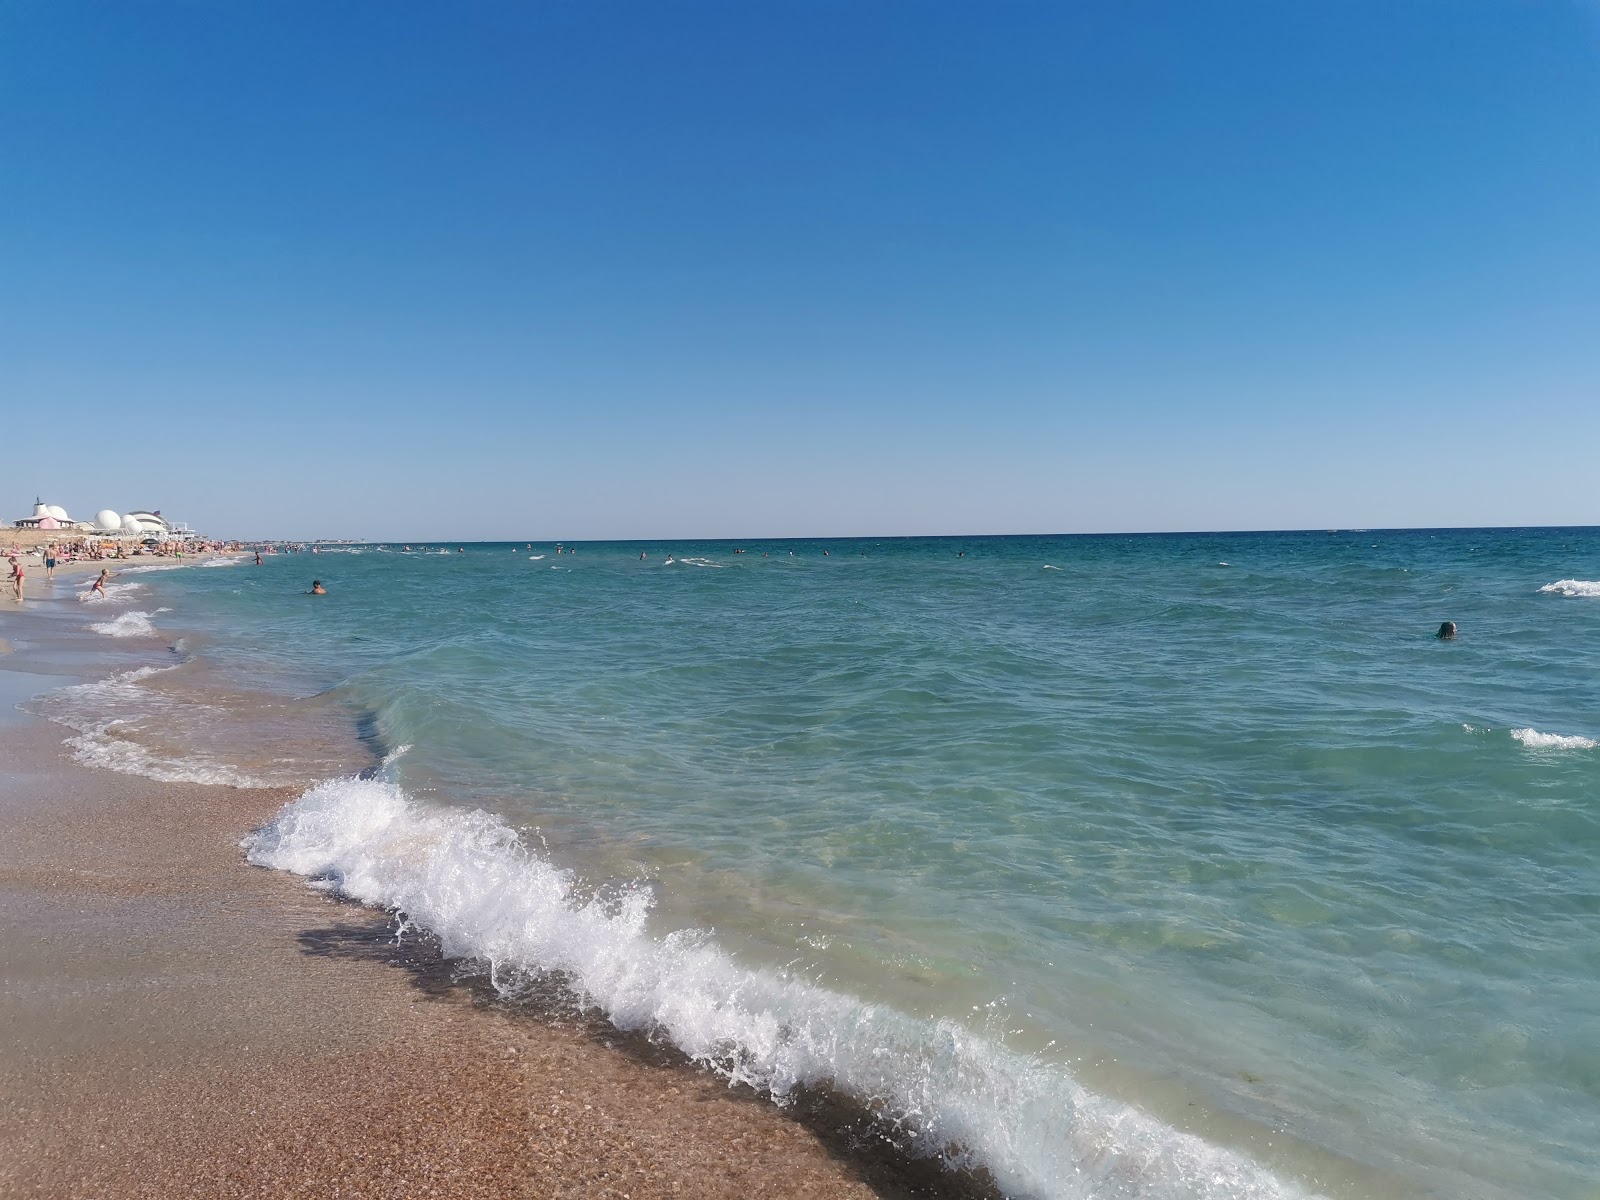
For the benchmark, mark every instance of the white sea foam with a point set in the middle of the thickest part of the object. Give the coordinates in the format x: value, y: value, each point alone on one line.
x: 699, y: 562
x: 535, y: 557
x: 113, y: 591
x: 1535, y: 740
x: 146, y: 568
x: 129, y: 624
x: 470, y: 879
x: 1574, y: 587
x: 102, y: 747
x: 104, y: 714
x: 222, y: 562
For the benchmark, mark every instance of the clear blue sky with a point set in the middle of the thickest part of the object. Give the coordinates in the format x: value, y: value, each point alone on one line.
x: 589, y: 269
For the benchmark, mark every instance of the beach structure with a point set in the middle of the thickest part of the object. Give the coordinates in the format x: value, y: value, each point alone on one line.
x: 152, y: 524
x: 45, y: 516
x: 145, y: 523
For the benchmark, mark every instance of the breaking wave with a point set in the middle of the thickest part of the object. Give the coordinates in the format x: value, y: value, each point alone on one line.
x: 1535, y: 740
x: 469, y: 878
x: 129, y: 624
x: 1574, y: 587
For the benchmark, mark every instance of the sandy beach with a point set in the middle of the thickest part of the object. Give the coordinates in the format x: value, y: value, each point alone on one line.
x: 179, y: 1023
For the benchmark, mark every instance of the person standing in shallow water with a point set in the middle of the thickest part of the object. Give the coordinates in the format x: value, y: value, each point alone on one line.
x: 317, y: 589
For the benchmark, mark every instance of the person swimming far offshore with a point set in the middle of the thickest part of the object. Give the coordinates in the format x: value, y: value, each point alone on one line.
x: 1447, y: 632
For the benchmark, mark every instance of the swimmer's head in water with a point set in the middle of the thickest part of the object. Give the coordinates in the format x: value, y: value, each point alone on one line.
x: 1447, y: 631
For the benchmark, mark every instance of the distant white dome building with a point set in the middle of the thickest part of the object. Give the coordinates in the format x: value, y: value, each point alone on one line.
x: 59, y: 513
x: 107, y: 521
x: 152, y: 523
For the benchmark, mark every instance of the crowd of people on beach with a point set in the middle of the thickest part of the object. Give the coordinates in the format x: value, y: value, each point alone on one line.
x: 88, y: 549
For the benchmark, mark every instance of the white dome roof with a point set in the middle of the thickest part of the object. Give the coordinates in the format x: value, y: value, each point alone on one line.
x: 133, y: 524
x: 107, y: 520
x: 56, y: 511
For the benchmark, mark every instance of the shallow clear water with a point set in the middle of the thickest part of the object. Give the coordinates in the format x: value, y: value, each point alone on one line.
x: 1207, y: 825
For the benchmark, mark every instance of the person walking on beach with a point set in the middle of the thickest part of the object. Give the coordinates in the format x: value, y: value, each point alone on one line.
x: 17, y: 575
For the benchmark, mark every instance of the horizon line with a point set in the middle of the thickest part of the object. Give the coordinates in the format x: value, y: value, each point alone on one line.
x: 858, y: 537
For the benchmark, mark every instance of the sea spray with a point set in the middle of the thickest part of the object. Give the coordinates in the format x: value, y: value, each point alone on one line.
x: 466, y: 876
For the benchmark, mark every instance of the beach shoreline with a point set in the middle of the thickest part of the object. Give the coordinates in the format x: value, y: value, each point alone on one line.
x: 37, y: 587
x: 157, y: 707
x: 185, y: 1024
x: 229, y: 679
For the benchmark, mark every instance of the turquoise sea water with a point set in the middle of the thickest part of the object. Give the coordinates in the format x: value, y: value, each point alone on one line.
x: 1160, y: 865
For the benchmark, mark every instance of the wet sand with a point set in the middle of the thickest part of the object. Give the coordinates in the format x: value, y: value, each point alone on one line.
x: 178, y: 1023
